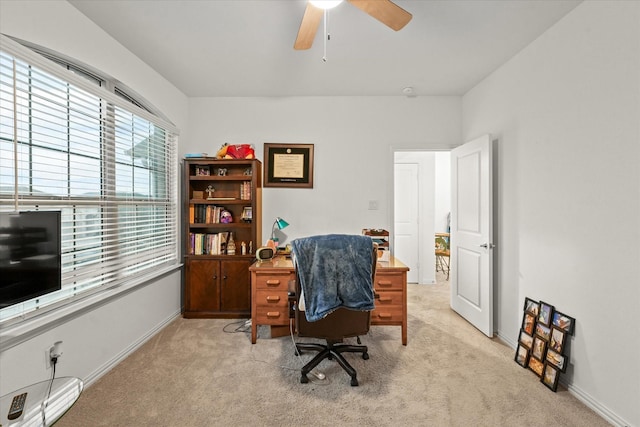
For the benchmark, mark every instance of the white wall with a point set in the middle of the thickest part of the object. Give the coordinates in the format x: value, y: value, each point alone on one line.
x: 97, y: 338
x: 442, y: 191
x: 565, y: 113
x: 353, y: 139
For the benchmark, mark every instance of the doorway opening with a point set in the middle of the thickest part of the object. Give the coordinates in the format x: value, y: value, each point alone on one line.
x: 422, y: 206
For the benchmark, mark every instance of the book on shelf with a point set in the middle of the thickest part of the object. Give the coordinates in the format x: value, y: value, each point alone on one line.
x: 245, y: 190
x: 205, y: 214
x: 208, y: 243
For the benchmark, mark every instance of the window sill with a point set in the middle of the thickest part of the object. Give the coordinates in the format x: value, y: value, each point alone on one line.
x: 18, y: 331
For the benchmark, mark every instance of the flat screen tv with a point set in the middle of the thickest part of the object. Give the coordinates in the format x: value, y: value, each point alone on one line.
x: 30, y: 261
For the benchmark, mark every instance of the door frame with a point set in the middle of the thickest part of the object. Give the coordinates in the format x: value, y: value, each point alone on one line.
x: 423, y: 240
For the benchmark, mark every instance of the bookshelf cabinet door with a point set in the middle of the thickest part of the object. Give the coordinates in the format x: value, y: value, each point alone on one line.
x: 235, y: 286
x: 203, y: 285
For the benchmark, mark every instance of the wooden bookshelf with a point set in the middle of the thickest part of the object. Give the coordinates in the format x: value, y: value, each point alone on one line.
x: 222, y: 198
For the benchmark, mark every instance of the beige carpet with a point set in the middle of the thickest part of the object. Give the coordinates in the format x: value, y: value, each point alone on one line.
x: 194, y: 374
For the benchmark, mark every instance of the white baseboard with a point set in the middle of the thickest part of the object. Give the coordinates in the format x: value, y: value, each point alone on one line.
x: 110, y: 364
x: 581, y: 395
x: 598, y: 407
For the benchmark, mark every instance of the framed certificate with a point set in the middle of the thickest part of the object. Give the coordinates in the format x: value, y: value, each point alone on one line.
x: 288, y: 165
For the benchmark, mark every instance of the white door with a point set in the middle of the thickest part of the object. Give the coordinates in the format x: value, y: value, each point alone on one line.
x: 405, y: 242
x: 472, y: 233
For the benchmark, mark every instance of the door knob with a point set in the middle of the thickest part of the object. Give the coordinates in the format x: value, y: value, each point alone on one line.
x: 488, y: 245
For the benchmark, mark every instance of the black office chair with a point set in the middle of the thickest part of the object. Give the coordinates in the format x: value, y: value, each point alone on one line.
x: 328, y: 269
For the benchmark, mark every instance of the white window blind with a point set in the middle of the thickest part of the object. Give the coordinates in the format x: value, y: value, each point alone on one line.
x: 109, y: 166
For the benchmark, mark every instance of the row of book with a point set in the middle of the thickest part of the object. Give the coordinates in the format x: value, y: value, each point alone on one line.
x: 245, y: 190
x: 208, y: 214
x: 208, y: 243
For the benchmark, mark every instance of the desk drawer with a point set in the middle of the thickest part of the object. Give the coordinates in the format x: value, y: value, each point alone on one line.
x: 272, y: 315
x: 274, y: 281
x: 388, y: 282
x: 391, y: 314
x: 388, y: 299
x: 272, y: 308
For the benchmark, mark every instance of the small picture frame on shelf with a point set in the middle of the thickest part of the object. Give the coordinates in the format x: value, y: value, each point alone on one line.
x: 556, y: 359
x: 535, y: 365
x: 545, y: 314
x: 564, y: 322
x: 247, y: 214
x: 528, y: 323
x: 556, y: 342
x: 550, y: 376
x: 522, y: 355
x: 202, y: 170
x: 222, y: 172
x: 531, y: 306
x: 543, y: 332
x: 197, y: 194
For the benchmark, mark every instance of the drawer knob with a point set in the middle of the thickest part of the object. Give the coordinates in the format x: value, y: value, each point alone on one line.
x: 273, y: 314
x: 273, y: 298
x: 384, y: 315
x: 384, y: 299
x: 384, y: 283
x: 273, y: 282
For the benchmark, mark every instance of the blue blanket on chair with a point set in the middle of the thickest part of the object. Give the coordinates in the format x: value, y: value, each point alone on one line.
x: 334, y: 271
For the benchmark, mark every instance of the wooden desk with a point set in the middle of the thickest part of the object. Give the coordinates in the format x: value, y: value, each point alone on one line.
x: 270, y: 302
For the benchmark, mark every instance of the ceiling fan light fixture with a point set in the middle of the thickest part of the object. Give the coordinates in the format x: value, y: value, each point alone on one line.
x: 325, y: 4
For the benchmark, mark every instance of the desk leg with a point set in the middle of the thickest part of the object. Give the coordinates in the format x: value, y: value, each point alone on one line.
x: 404, y: 333
x: 254, y: 331
x: 404, y: 309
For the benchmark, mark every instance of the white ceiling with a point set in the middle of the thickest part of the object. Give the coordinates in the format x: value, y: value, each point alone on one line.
x: 245, y: 47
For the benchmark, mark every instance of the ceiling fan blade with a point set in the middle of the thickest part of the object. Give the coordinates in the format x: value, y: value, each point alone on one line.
x: 308, y: 27
x: 385, y: 11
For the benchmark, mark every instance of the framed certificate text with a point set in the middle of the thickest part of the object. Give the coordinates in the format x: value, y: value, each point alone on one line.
x: 288, y: 165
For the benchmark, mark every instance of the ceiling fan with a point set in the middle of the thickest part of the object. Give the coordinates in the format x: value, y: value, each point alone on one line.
x: 385, y: 11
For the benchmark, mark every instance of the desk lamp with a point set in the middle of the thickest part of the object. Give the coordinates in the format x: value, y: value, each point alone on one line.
x: 280, y: 224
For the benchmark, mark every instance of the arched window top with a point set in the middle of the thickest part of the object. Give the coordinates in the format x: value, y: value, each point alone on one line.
x: 95, y: 76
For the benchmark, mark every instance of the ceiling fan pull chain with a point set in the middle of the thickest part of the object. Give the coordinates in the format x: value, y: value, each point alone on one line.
x: 326, y: 35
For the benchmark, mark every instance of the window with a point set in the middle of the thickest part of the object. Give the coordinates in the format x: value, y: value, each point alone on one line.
x: 68, y: 144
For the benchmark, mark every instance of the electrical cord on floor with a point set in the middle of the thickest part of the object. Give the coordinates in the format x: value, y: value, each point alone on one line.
x: 316, y: 377
x: 243, y: 326
x: 288, y: 368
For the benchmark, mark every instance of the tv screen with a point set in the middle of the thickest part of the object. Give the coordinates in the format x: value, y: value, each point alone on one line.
x: 30, y: 261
